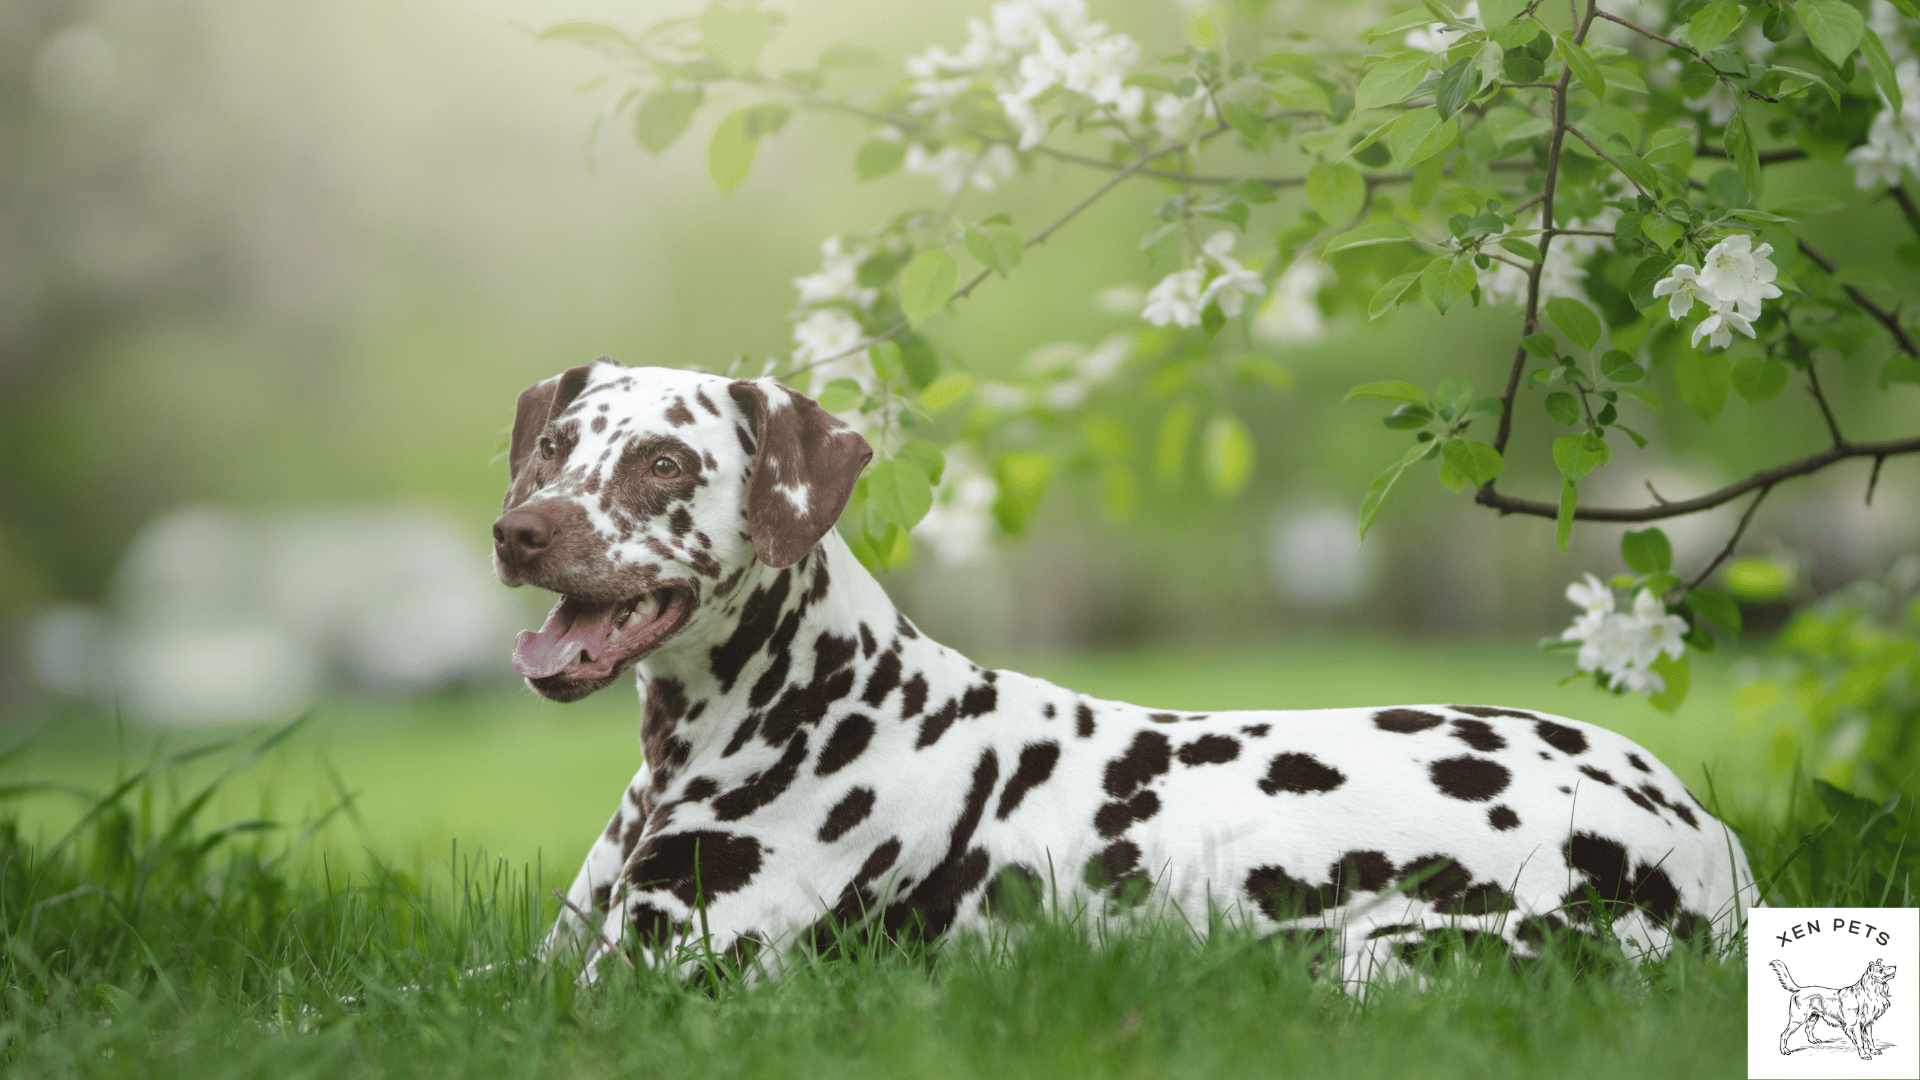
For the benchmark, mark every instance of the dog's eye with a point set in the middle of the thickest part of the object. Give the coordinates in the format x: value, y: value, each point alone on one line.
x: 666, y: 468
x: 546, y: 447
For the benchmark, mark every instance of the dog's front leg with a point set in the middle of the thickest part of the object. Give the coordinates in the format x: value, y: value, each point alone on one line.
x: 588, y: 900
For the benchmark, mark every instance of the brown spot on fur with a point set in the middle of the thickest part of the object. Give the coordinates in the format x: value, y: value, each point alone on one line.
x: 1406, y: 721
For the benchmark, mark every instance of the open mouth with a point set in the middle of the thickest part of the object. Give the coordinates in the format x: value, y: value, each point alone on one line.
x: 590, y: 641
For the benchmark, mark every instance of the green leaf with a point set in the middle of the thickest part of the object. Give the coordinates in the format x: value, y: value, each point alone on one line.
x: 1563, y: 408
x: 1637, y: 170
x: 1419, y: 135
x: 1383, y: 483
x: 1703, y: 379
x: 1563, y: 522
x: 1620, y: 367
x: 1712, y: 24
x: 995, y: 245
x: 1664, y: 232
x: 1392, y: 390
x: 1647, y: 551
x: 918, y: 357
x: 1170, y: 449
x: 1576, y: 320
x: 1489, y: 61
x: 1622, y: 79
x: 1811, y: 78
x: 1646, y: 397
x: 946, y: 390
x: 1739, y: 143
x: 1540, y: 346
x: 1390, y: 81
x: 1465, y: 461
x: 885, y: 358
x: 1457, y: 86
x: 1445, y: 283
x: 1228, y: 454
x: 1023, y: 477
x: 1495, y: 14
x: 1580, y: 62
x: 730, y: 154
x: 840, y: 395
x: 1487, y: 462
x: 1390, y: 294
x: 899, y: 492
x: 1758, y: 378
x: 733, y: 36
x: 878, y: 157
x: 1834, y: 27
x: 1393, y: 25
x: 1716, y: 607
x: 1578, y: 455
x: 927, y: 456
x: 1336, y: 191
x: 1881, y: 65
x: 1675, y: 673
x: 1522, y: 248
x: 1407, y: 418
x: 663, y: 116
x: 1375, y: 232
x: 926, y: 284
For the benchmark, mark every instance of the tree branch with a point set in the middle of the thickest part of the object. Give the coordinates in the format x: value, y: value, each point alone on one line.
x: 1732, y: 542
x: 1771, y: 157
x: 1886, y: 318
x: 1604, y: 156
x: 1754, y: 94
x: 1813, y: 387
x: 1040, y: 237
x: 1507, y: 504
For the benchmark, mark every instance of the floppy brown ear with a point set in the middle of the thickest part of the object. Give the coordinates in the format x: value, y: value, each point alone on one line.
x: 538, y: 404
x: 805, y: 464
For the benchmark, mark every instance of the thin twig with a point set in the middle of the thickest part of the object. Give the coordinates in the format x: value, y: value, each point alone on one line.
x: 1733, y: 541
x: 1886, y: 318
x: 1771, y: 157
x: 1507, y: 504
x: 582, y: 916
x: 1040, y: 237
x: 1754, y: 94
x: 1604, y: 156
x: 1219, y: 180
x: 1657, y: 497
x: 1873, y: 479
x: 1813, y: 387
x: 1899, y: 195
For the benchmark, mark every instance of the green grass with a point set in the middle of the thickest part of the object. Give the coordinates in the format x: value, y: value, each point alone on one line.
x: 145, y: 934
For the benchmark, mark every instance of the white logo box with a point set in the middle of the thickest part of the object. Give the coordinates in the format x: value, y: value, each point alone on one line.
x: 1827, y: 953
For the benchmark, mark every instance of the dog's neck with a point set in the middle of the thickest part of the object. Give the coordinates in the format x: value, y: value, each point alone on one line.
x: 798, y: 627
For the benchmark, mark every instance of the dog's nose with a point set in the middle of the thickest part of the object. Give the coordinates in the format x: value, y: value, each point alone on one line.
x: 519, y: 535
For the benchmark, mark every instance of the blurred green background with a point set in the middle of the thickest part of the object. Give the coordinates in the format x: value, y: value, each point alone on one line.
x: 292, y: 260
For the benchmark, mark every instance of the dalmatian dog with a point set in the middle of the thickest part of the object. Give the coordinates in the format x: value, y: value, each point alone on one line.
x: 814, y: 763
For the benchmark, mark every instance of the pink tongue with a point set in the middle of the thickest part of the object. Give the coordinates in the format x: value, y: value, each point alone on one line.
x: 572, y: 628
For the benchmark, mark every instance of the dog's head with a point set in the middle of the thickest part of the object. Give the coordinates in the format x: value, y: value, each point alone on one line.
x: 638, y: 493
x: 1879, y: 971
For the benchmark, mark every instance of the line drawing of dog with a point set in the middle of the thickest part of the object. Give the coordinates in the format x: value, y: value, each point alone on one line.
x: 1852, y: 1009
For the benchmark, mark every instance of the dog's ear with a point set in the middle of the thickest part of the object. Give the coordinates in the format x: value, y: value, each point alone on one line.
x: 538, y: 404
x: 805, y: 464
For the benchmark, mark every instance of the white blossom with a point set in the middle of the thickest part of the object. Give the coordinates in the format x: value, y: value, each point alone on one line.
x: 825, y: 332
x: 1595, y: 600
x: 956, y: 167
x: 1176, y: 299
x: 1176, y: 117
x: 837, y: 278
x: 1003, y: 396
x: 1234, y: 282
x: 1561, y: 274
x: 1718, y: 327
x: 961, y: 518
x: 1623, y: 646
x: 1893, y: 139
x: 1741, y: 274
x: 1292, y: 314
x: 1439, y: 37
x: 1022, y: 114
x: 1656, y: 631
x: 1684, y: 286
